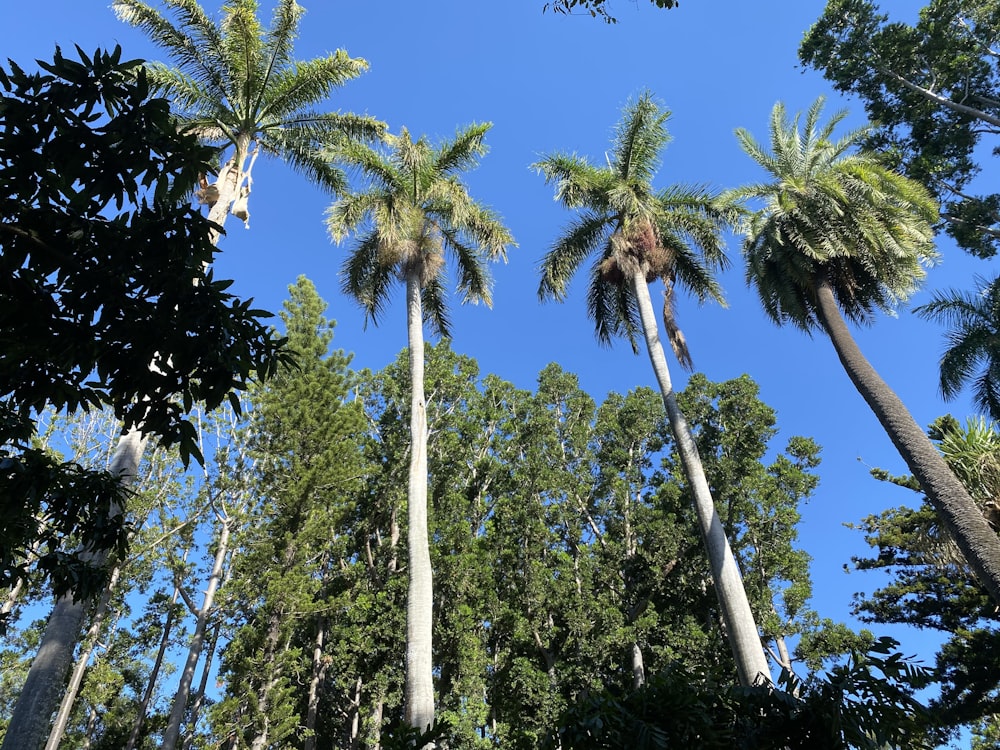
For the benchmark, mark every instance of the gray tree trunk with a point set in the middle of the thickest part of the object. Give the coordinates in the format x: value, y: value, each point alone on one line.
x: 40, y: 696
x: 741, y: 628
x: 957, y: 510
x: 315, y: 678
x: 76, y: 679
x: 199, y: 695
x: 172, y: 733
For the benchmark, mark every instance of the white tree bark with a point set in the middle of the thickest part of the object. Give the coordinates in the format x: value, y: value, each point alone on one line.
x: 419, y: 687
x: 172, y: 733
x: 741, y: 628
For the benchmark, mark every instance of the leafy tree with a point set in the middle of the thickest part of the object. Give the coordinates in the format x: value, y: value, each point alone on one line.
x: 931, y: 586
x: 82, y: 141
x: 864, y: 703
x: 596, y: 8
x: 415, y: 208
x: 98, y: 260
x: 810, y: 269
x: 933, y: 90
x: 304, y: 437
x: 972, y: 352
x: 641, y: 235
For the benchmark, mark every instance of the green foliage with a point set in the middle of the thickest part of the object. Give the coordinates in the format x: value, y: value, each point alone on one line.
x: 597, y: 8
x: 673, y: 234
x: 414, y: 209
x: 864, y: 703
x: 104, y: 274
x: 971, y: 357
x: 304, y: 439
x: 933, y: 91
x: 931, y: 586
x: 820, y: 198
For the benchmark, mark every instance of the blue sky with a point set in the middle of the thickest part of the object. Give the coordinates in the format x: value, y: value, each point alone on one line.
x: 548, y: 83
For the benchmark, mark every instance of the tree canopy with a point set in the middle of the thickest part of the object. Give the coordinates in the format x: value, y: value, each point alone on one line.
x: 105, y: 294
x: 932, y: 89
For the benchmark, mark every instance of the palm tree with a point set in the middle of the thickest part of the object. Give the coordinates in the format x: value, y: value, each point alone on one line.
x: 840, y: 236
x: 640, y: 235
x: 237, y: 85
x: 414, y: 210
x: 973, y: 342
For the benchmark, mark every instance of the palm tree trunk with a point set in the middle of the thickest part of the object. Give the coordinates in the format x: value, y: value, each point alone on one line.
x: 173, y: 730
x: 39, y: 697
x: 741, y: 628
x: 419, y: 687
x: 959, y: 512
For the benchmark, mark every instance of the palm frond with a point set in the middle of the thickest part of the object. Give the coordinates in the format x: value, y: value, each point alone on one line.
x: 463, y: 151
x: 612, y: 306
x: 583, y: 236
x: 434, y: 300
x: 351, y: 211
x: 578, y: 183
x: 639, y: 137
x: 195, y: 46
x: 242, y: 39
x: 300, y: 151
x: 366, y: 279
x: 280, y: 36
x: 474, y: 280
x: 305, y: 84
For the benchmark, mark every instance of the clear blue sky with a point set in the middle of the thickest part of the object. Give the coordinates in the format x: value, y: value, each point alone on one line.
x: 549, y: 83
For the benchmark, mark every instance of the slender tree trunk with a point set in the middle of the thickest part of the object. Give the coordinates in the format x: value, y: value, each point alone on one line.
x: 419, y: 688
x: 43, y: 686
x: 173, y: 730
x: 638, y: 668
x: 741, y: 628
x: 959, y: 512
x: 147, y: 695
x: 377, y: 722
x: 315, y: 679
x: 356, y: 715
x: 76, y: 679
x: 199, y: 696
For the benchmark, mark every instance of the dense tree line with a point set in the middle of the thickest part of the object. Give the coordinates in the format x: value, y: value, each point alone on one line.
x: 425, y: 555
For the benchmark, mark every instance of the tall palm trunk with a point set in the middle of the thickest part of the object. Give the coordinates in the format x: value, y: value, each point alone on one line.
x: 172, y: 733
x: 419, y: 688
x: 46, y: 678
x: 959, y: 512
x: 741, y: 628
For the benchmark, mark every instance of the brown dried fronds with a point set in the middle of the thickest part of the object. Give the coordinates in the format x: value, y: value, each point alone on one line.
x: 674, y: 334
